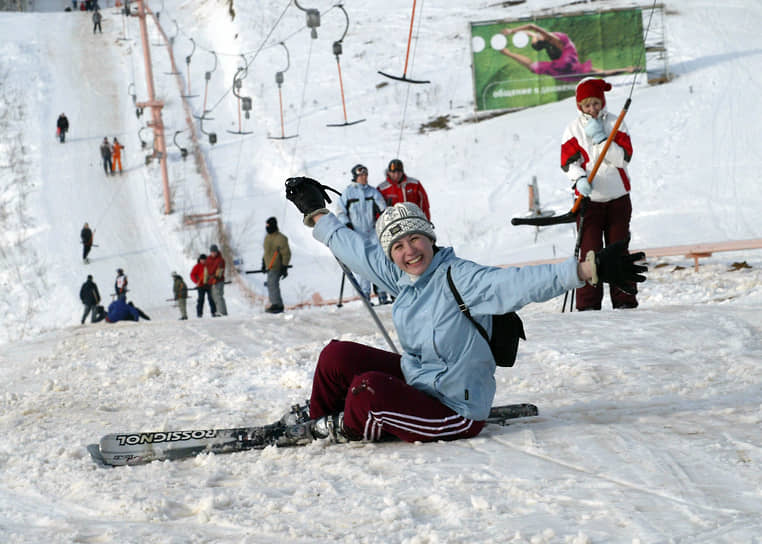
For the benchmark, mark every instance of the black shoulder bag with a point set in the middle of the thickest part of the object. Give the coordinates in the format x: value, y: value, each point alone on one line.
x: 506, y: 330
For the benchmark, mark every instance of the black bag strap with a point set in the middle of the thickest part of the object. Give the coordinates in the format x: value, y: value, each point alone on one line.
x: 463, y: 308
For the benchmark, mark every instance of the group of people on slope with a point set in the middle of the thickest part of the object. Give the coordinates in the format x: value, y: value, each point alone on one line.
x: 118, y: 310
x: 442, y: 385
x: 111, y: 153
x: 361, y: 204
x: 209, y: 276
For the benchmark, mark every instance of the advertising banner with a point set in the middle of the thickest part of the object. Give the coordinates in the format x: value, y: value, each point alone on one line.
x: 524, y: 63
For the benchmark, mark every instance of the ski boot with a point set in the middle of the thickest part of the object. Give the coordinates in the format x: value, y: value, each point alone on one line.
x: 330, y: 426
x: 299, y: 413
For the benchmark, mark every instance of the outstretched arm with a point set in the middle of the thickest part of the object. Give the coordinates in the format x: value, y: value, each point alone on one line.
x: 544, y: 34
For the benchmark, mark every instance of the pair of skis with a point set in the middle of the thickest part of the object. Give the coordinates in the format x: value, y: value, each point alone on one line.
x: 138, y: 448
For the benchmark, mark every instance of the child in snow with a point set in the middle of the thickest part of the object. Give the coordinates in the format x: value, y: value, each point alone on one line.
x: 443, y: 385
x: 608, y: 211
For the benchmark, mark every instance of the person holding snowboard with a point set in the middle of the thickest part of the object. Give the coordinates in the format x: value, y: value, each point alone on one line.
x: 608, y: 208
x: 442, y: 385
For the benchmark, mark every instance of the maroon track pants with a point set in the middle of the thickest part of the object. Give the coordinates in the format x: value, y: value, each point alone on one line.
x: 367, y: 384
x: 609, y: 222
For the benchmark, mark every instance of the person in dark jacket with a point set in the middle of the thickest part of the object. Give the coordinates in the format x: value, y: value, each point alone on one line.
x: 119, y: 310
x: 180, y: 290
x: 86, y: 235
x: 106, y: 156
x: 97, y: 21
x: 62, y: 127
x: 90, y: 297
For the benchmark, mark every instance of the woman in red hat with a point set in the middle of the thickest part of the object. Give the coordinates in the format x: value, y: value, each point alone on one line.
x: 609, y: 209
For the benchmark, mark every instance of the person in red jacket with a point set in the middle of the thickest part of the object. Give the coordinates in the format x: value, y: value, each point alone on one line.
x: 198, y: 276
x: 399, y: 187
x: 215, y: 271
x: 609, y: 209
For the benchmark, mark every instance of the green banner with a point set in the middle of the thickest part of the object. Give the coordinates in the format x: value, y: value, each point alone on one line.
x: 518, y: 64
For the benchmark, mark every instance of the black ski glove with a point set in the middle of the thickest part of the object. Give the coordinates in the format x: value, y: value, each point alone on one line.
x: 284, y: 272
x: 264, y: 268
x: 309, y: 196
x: 616, y: 266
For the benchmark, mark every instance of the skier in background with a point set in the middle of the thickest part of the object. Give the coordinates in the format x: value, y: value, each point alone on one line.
x: 275, y: 263
x: 106, y: 156
x: 119, y: 310
x: 180, y: 291
x: 116, y: 155
x: 359, y: 206
x: 97, y: 21
x: 609, y: 208
x: 86, y: 236
x: 399, y: 187
x: 215, y: 270
x: 198, y: 276
x: 90, y: 297
x: 120, y: 284
x: 62, y: 127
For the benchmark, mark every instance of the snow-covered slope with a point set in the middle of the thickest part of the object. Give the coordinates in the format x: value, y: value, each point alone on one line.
x: 649, y: 419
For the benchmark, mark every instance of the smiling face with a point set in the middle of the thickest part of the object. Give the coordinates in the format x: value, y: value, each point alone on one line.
x: 413, y: 253
x: 591, y: 106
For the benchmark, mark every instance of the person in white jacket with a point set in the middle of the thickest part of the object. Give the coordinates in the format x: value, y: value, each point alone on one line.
x: 358, y: 208
x: 608, y: 210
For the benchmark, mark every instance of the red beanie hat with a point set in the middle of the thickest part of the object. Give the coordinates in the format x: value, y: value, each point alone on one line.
x: 591, y: 87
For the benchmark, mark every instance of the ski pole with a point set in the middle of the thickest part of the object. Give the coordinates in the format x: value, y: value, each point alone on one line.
x: 341, y: 290
x: 365, y: 301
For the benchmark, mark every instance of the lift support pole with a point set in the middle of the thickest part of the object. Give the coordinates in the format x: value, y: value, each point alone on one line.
x: 160, y: 147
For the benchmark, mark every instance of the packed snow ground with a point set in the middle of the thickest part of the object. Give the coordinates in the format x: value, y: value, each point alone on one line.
x: 650, y: 419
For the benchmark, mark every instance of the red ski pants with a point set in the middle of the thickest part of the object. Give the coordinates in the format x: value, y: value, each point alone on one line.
x: 367, y: 384
x: 606, y: 222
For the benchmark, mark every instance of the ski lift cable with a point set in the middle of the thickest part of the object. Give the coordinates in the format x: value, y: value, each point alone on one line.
x: 301, y: 105
x: 261, y: 47
x: 407, y: 93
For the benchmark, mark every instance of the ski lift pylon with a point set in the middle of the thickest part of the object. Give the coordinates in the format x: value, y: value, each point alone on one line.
x: 404, y: 77
x: 313, y: 19
x: 183, y: 151
x: 244, y: 102
x: 279, y: 78
x: 207, y: 78
x: 187, y: 70
x: 337, y: 51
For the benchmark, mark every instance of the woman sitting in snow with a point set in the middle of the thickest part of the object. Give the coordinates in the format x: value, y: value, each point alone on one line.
x: 443, y: 385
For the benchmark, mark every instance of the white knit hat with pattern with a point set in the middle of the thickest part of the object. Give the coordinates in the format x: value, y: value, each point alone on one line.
x: 400, y: 220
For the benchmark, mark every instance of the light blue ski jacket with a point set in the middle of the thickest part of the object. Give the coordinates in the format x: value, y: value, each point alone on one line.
x: 443, y: 353
x: 360, y: 204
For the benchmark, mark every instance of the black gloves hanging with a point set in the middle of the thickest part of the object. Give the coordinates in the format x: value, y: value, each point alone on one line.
x: 616, y: 266
x: 309, y: 196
